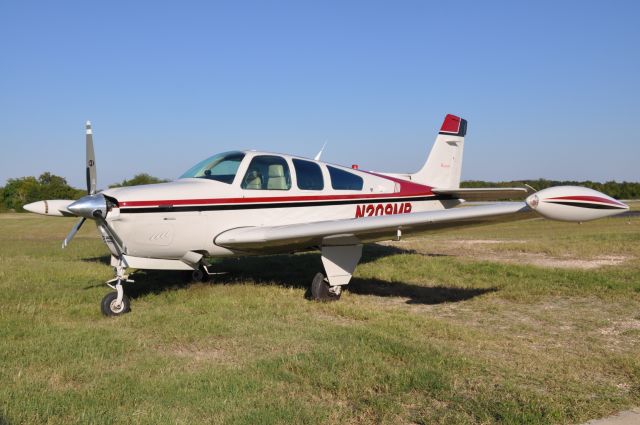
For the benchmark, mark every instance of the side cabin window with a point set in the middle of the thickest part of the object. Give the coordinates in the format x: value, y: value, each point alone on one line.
x: 344, y: 180
x: 267, y: 172
x: 308, y: 175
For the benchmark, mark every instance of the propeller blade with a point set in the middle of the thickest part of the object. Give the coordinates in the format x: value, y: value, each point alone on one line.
x: 91, y: 161
x: 112, y: 234
x: 110, y: 237
x: 73, y: 232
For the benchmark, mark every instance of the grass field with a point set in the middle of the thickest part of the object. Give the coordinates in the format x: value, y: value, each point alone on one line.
x: 530, y: 322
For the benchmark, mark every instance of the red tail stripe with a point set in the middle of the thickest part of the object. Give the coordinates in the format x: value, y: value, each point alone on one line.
x: 407, y: 188
x: 451, y: 124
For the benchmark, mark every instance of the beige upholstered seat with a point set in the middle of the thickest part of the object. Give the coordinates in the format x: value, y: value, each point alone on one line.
x: 277, y: 180
x: 253, y: 180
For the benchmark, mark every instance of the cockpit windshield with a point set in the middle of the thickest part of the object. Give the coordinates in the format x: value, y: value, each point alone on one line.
x: 222, y: 167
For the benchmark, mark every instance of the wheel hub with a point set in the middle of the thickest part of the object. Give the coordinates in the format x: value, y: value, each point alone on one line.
x: 116, y: 306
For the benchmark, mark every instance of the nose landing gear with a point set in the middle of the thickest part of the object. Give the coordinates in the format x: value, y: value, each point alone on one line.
x: 116, y: 303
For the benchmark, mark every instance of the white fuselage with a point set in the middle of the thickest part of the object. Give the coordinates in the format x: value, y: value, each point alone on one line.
x: 169, y: 219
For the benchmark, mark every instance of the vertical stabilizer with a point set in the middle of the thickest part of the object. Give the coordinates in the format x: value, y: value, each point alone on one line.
x: 444, y: 164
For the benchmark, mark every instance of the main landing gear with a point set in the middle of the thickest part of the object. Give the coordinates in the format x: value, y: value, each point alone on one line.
x: 339, y: 263
x: 202, y: 273
x: 198, y: 276
x: 322, y: 291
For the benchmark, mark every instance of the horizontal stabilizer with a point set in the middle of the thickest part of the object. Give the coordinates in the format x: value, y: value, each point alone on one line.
x: 485, y: 193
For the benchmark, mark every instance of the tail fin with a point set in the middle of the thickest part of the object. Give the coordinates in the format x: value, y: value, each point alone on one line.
x: 444, y: 164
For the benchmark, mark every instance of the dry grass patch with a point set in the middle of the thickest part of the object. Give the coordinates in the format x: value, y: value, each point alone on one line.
x: 538, y: 242
x: 504, y: 251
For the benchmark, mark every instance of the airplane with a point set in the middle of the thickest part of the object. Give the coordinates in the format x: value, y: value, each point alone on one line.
x: 247, y: 202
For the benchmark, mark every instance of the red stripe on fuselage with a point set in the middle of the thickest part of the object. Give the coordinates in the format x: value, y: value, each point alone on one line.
x: 407, y: 189
x: 586, y: 199
x: 263, y: 200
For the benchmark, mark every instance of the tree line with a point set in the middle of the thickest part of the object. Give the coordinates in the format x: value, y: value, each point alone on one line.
x: 24, y: 190
x: 618, y: 190
x: 20, y: 191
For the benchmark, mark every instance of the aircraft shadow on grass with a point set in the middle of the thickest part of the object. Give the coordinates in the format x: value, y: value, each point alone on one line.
x: 297, y: 271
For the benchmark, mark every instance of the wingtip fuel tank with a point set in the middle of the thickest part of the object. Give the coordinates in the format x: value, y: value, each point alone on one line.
x: 574, y: 203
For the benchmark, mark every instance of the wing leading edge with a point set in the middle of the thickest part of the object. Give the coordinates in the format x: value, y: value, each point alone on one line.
x: 366, y: 229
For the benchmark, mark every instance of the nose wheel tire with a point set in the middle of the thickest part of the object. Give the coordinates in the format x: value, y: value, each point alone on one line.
x: 110, y: 306
x: 322, y: 291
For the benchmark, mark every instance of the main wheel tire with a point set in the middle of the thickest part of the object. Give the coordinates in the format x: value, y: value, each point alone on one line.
x: 109, y: 307
x: 197, y: 276
x: 320, y: 289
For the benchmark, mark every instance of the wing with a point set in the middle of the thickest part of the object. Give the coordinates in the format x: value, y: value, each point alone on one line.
x: 366, y: 229
x: 485, y: 194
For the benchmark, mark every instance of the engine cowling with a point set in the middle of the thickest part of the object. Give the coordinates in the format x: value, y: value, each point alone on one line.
x: 574, y: 203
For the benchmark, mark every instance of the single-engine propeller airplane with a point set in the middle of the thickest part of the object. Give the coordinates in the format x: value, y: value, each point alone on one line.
x: 251, y: 203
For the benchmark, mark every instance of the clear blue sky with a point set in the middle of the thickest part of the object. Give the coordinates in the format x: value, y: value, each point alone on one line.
x: 550, y: 88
